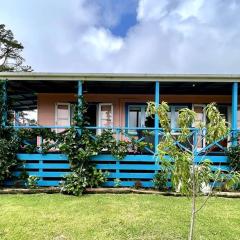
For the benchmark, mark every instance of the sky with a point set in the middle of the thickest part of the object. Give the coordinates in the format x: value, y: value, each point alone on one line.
x: 127, y: 36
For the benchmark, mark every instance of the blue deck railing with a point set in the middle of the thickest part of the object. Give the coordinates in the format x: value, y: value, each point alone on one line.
x: 51, y: 167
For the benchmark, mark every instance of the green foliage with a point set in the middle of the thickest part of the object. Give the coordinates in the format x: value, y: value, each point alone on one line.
x: 8, y: 140
x: 74, y: 183
x: 186, y: 176
x: 160, y: 181
x: 97, y: 177
x: 217, y: 125
x: 32, y: 182
x: 185, y: 121
x: 10, y: 52
x: 162, y: 112
x: 28, y: 137
x: 8, y: 159
x: 3, y: 104
x: 233, y: 154
x: 79, y: 145
x: 117, y: 182
x: 119, y: 149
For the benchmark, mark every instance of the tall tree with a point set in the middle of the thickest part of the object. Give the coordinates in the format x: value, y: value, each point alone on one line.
x: 10, y: 52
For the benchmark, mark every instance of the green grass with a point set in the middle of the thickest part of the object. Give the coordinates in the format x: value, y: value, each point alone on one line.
x: 115, y: 217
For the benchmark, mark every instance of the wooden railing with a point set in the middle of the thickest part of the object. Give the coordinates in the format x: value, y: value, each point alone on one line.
x: 51, y: 167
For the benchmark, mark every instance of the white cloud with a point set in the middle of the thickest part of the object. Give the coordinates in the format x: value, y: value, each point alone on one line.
x: 171, y: 36
x: 151, y: 10
x: 101, y: 42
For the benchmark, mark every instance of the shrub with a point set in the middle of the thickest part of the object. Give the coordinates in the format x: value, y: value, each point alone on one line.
x: 117, y: 182
x: 160, y: 181
x: 74, y: 184
x: 32, y: 182
x: 96, y: 177
x: 8, y: 158
x: 233, y: 154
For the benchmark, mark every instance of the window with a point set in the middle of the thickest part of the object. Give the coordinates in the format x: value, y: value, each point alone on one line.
x: 136, y: 116
x: 105, y: 115
x: 62, y: 115
x: 173, y: 115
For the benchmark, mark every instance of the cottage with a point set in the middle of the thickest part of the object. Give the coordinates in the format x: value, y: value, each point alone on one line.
x: 118, y: 102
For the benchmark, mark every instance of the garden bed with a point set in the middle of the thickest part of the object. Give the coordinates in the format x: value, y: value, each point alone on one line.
x: 51, y: 190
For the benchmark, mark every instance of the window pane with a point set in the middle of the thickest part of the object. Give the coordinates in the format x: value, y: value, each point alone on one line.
x: 132, y: 119
x: 223, y: 110
x: 62, y: 112
x: 134, y: 116
x: 200, y: 118
x: 106, y: 116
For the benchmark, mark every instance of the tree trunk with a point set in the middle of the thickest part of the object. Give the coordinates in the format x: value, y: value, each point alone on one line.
x: 193, y: 209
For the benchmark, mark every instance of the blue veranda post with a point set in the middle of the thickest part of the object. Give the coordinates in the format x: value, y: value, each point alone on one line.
x: 80, y: 94
x: 156, y: 119
x: 4, y: 103
x: 234, y: 112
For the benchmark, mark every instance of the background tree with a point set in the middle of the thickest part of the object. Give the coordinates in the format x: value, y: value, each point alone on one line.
x: 180, y: 145
x: 10, y: 52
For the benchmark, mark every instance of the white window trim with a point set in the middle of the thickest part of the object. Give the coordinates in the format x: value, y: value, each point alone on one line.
x: 98, y: 120
x: 69, y: 112
x: 204, y: 122
x: 143, y: 113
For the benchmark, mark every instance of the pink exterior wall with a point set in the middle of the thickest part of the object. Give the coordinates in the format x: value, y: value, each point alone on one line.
x: 47, y: 101
x: 46, y: 106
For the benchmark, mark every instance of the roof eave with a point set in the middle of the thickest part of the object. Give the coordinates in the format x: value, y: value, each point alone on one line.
x: 119, y: 77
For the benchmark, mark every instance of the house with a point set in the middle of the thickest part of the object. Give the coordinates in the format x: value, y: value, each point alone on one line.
x: 118, y: 101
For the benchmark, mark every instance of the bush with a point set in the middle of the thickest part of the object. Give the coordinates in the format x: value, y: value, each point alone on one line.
x: 160, y: 181
x: 74, y: 184
x: 233, y: 154
x: 96, y: 177
x: 8, y: 158
x: 117, y: 182
x: 32, y: 182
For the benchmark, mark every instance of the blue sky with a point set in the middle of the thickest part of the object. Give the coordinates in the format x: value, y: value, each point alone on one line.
x: 135, y: 36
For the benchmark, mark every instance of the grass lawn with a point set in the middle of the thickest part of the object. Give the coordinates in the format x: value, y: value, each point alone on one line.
x: 115, y: 217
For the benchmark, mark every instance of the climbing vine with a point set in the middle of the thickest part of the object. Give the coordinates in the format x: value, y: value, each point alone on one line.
x: 8, y: 139
x: 78, y: 143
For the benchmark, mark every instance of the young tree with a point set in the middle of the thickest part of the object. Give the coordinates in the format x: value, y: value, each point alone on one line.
x: 10, y: 52
x: 180, y: 145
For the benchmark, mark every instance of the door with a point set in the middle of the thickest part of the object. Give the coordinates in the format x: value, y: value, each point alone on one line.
x: 62, y: 115
x: 104, y: 116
